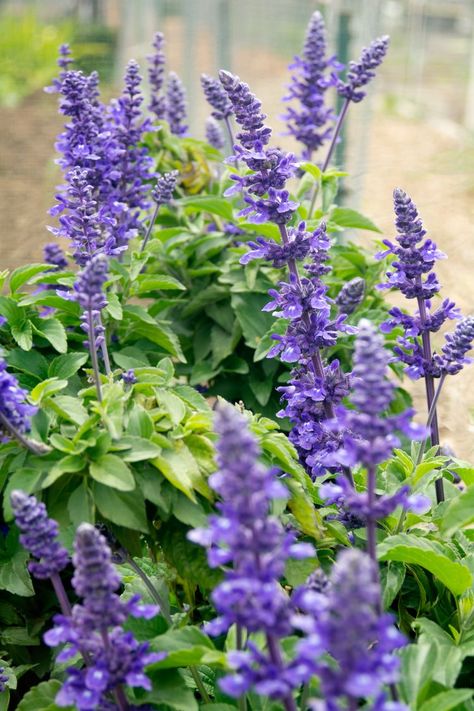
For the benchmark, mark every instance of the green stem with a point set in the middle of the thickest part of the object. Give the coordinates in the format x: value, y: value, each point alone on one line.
x: 201, y: 688
x: 34, y: 447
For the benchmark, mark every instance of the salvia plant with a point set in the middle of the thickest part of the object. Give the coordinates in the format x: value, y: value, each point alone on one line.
x: 216, y: 492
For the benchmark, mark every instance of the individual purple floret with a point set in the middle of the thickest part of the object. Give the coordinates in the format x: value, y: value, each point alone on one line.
x: 54, y: 255
x: 129, y: 377
x: 64, y: 61
x: 362, y: 72
x: 176, y: 105
x: 217, y: 97
x: 39, y: 535
x: 156, y: 72
x: 351, y: 295
x: 214, y: 134
x: 94, y: 629
x: 345, y: 622
x: 3, y: 679
x: 264, y: 187
x: 247, y: 537
x: 15, y: 412
x: 308, y: 119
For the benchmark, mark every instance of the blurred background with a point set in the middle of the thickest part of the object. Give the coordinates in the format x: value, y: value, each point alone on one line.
x: 415, y: 130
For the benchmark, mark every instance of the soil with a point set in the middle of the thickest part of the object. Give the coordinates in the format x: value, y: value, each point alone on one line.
x: 430, y: 161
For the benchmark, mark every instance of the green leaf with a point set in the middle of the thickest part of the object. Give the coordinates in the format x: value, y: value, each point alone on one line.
x: 189, y: 559
x: 145, y: 326
x: 253, y: 321
x: 208, y: 203
x: 114, y: 307
x: 446, y: 668
x: 417, y: 663
x: 14, y: 575
x: 172, y: 405
x: 184, y: 647
x: 67, y: 465
x: 391, y: 579
x: 31, y: 362
x: 110, y: 470
x: 345, y: 217
x: 46, y: 389
x: 124, y: 509
x: 312, y: 169
x: 170, y: 691
x: 181, y: 469
x: 70, y: 408
x: 22, y: 332
x: 297, y: 571
x: 41, y: 697
x: 21, y: 275
x: 79, y: 505
x: 53, y: 331
x: 447, y: 700
x: 429, y: 555
x: 156, y: 282
x: 459, y: 512
x: 64, y: 366
x: 140, y: 423
x: 136, y: 449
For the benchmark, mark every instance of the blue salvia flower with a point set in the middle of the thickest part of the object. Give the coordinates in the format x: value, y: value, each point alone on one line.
x: 214, y: 134
x: 95, y: 629
x: 156, y: 75
x: 129, y: 377
x: 412, y: 273
x: 54, y: 255
x: 15, y: 412
x: 351, y: 295
x: 254, y: 547
x: 3, y: 679
x: 217, y: 97
x: 362, y: 72
x: 457, y: 345
x: 176, y: 105
x: 39, y: 535
x: 313, y: 389
x: 263, y: 188
x: 88, y: 292
x: 162, y: 193
x: 309, y: 119
x: 367, y: 432
x: 344, y: 621
x: 64, y: 61
x: 89, y: 229
x: 131, y: 163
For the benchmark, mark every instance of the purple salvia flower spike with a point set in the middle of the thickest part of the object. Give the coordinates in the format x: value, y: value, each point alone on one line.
x: 88, y: 292
x: 246, y: 535
x: 95, y: 629
x: 162, y: 194
x: 15, y: 411
x: 308, y: 120
x: 217, y: 97
x: 156, y: 71
x: 176, y: 105
x: 457, y: 345
x: 345, y: 621
x: 39, y: 535
x: 362, y: 71
x: 64, y: 61
x: 214, y: 134
x: 54, y: 255
x: 351, y: 295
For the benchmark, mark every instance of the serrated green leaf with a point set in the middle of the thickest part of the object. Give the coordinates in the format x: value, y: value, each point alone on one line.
x: 70, y: 408
x: 459, y: 512
x: 46, y: 389
x: 429, y: 555
x: 136, y: 449
x: 157, y: 282
x: 67, y: 465
x: 41, y: 697
x: 208, y: 203
x: 64, y: 366
x: 22, y: 274
x: 31, y: 362
x: 110, y: 470
x: 53, y: 331
x: 122, y: 508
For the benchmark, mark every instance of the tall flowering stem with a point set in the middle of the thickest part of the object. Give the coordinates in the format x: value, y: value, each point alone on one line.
x: 88, y: 292
x: 95, y: 627
x: 309, y: 120
x: 217, y: 97
x: 39, y: 535
x: 176, y: 105
x: 162, y: 194
x: 367, y: 436
x: 412, y: 273
x: 254, y: 547
x: 359, y: 75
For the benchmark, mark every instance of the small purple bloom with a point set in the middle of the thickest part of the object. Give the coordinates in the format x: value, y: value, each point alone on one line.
x: 217, y: 97
x: 13, y: 406
x: 214, y: 134
x: 39, y: 535
x: 54, y: 255
x: 351, y: 295
x: 129, y: 377
x: 162, y: 193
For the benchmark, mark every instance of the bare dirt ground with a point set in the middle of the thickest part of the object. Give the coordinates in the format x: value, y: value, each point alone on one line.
x: 425, y: 159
